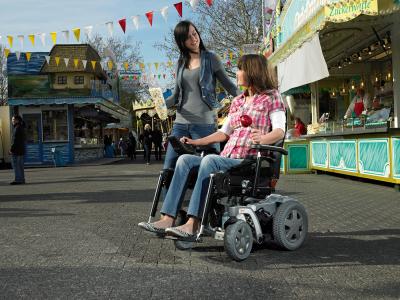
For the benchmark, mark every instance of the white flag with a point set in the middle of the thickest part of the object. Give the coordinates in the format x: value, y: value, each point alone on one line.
x: 17, y: 54
x: 164, y: 13
x: 84, y: 62
x: 194, y: 3
x: 110, y: 27
x: 66, y: 60
x: 136, y: 21
x: 47, y: 59
x: 88, y: 31
x: 42, y: 37
x: 21, y: 41
x: 66, y: 36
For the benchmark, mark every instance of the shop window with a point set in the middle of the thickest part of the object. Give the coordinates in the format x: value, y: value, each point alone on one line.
x: 62, y: 80
x: 55, y: 125
x: 79, y: 79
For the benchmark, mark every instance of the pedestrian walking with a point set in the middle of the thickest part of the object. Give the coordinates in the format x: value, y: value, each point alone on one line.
x: 157, y: 141
x: 132, y: 145
x: 17, y: 150
x: 146, y: 138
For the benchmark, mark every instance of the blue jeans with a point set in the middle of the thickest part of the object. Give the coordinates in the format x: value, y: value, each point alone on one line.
x: 208, y: 164
x: 194, y: 131
x: 18, y: 166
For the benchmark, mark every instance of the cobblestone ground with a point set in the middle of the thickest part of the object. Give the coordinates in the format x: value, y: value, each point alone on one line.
x: 71, y: 233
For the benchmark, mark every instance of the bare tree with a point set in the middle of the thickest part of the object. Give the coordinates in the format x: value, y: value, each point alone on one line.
x: 3, y: 77
x: 225, y: 27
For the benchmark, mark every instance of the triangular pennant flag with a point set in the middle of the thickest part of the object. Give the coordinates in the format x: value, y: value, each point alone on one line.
x: 88, y: 31
x: 42, y: 37
x: 156, y: 65
x: 66, y: 60
x: 169, y: 64
x: 144, y: 77
x: 178, y: 7
x: 66, y: 36
x: 21, y: 41
x: 141, y: 66
x: 154, y: 76
x: 119, y: 66
x: 230, y: 55
x: 93, y: 62
x: 103, y: 65
x: 149, y: 66
x: 126, y: 66
x: 164, y: 13
x: 28, y: 56
x: 10, y: 39
x: 122, y: 23
x: 136, y: 20
x: 57, y: 59
x: 47, y: 59
x: 77, y: 33
x: 209, y: 2
x: 159, y: 76
x: 149, y: 16
x: 6, y: 52
x: 17, y: 54
x: 76, y: 62
x: 110, y: 27
x: 84, y: 63
x: 173, y: 74
x: 164, y: 75
x: 110, y: 65
x: 194, y: 3
x: 53, y: 36
x: 32, y: 39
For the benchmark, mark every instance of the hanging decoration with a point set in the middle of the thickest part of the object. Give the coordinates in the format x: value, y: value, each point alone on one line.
x: 66, y: 36
x: 110, y: 28
x: 53, y: 36
x: 135, y: 20
x: 178, y: 7
x: 42, y: 37
x: 164, y: 13
x: 28, y: 56
x: 76, y: 62
x: 10, y: 40
x: 47, y: 59
x: 209, y: 2
x: 18, y: 54
x: 6, y: 52
x: 21, y: 41
x: 66, y: 60
x: 193, y: 4
x: 149, y: 16
x: 84, y: 63
x: 77, y: 33
x: 122, y: 23
x: 93, y: 62
x: 57, y: 59
x: 88, y: 31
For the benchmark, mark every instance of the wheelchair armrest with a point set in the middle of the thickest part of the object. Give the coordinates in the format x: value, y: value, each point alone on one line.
x: 269, y: 148
x: 180, y: 147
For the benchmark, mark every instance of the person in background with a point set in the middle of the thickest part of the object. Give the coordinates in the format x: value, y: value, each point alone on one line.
x: 299, y: 126
x: 146, y: 138
x: 157, y: 141
x: 194, y: 95
x: 17, y: 150
x: 132, y: 144
x: 359, y: 103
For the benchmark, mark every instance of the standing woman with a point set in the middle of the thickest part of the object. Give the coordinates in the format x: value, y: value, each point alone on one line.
x: 194, y: 95
x: 147, y: 141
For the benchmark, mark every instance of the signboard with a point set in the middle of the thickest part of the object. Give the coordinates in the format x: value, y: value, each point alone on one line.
x: 350, y: 10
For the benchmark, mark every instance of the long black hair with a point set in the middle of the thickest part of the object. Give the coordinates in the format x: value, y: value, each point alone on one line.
x: 181, y: 33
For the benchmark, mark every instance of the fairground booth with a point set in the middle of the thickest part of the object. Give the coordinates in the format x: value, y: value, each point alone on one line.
x: 338, y: 65
x: 65, y: 100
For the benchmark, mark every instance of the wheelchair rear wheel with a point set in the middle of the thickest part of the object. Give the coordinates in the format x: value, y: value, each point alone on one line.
x: 238, y: 240
x: 180, y: 220
x: 290, y: 225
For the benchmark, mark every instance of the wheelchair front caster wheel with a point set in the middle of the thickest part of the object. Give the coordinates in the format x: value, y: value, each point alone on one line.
x: 182, y: 245
x: 290, y: 225
x: 238, y: 240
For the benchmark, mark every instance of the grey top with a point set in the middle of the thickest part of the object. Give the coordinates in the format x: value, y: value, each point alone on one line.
x: 194, y: 110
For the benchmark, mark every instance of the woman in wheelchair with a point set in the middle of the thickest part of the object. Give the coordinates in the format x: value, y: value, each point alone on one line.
x: 263, y: 103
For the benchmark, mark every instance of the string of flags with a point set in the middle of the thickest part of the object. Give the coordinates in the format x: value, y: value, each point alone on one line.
x: 87, y: 30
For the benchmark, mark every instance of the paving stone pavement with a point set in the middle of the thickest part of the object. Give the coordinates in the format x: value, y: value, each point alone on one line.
x: 71, y: 233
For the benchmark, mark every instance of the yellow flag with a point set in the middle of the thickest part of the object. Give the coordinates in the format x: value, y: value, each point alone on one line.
x: 156, y: 65
x: 110, y: 65
x: 10, y: 40
x: 126, y: 65
x: 53, y: 37
x: 76, y: 62
x: 32, y: 39
x: 230, y: 55
x: 77, y: 33
x: 141, y: 65
x: 6, y: 52
x: 57, y: 58
x: 93, y: 64
x: 28, y: 56
x: 241, y: 52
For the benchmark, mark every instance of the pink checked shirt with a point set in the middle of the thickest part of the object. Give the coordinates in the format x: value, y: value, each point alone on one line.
x: 238, y: 145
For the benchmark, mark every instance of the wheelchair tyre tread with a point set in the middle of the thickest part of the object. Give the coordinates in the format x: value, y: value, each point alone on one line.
x: 290, y: 225
x: 238, y: 240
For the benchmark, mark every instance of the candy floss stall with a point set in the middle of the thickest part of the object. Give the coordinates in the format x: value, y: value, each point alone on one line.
x: 331, y: 54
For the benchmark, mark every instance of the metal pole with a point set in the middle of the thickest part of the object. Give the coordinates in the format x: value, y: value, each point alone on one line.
x: 263, y: 18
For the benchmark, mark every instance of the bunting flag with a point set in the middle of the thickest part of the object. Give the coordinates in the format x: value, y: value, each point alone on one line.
x: 110, y: 27
x: 6, y: 52
x: 149, y: 66
x: 84, y: 63
x: 126, y: 66
x: 47, y: 59
x: 66, y: 36
x: 209, y: 2
x: 93, y: 62
x: 178, y: 7
x: 194, y: 3
x: 77, y: 33
x: 88, y: 31
x: 135, y: 20
x: 28, y: 56
x: 53, y: 36
x: 21, y: 41
x: 103, y: 65
x: 122, y: 23
x: 32, y: 39
x: 149, y: 16
x: 10, y: 39
x: 164, y: 13
x: 164, y: 75
x: 42, y: 37
x: 57, y: 59
x: 156, y: 65
x: 66, y: 60
x: 18, y: 54
x: 76, y: 62
x: 141, y: 65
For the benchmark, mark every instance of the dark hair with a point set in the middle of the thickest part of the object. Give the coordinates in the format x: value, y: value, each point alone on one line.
x: 181, y: 33
x: 258, y: 75
x: 18, y: 118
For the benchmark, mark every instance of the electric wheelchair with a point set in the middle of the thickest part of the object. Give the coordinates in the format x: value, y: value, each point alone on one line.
x: 241, y: 207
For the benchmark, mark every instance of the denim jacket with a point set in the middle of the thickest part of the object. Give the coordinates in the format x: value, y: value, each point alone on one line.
x: 210, y: 70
